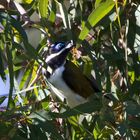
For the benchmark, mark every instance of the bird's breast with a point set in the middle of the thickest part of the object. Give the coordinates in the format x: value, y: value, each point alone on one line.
x: 61, y: 88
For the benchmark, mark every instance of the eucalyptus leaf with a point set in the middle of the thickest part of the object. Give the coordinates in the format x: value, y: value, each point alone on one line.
x: 11, y: 74
x: 2, y: 72
x: 88, y: 107
x: 43, y: 8
x: 2, y: 99
x: 102, y: 10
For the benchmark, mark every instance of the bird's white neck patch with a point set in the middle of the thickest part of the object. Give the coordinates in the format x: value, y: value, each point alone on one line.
x: 49, y: 69
x: 57, y: 74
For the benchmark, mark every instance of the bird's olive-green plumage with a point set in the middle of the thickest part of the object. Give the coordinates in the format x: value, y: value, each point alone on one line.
x: 77, y: 81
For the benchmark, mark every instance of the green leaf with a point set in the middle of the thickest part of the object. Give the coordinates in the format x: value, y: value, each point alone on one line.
x: 53, y: 12
x: 2, y: 99
x: 14, y: 69
x: 2, y: 73
x: 16, y: 137
x: 64, y: 14
x: 96, y: 131
x: 27, y: 1
x: 132, y: 108
x: 40, y: 119
x: 32, y: 52
x: 43, y: 8
x: 25, y: 77
x: 66, y: 19
x: 88, y: 65
x: 135, y: 124
x: 88, y: 107
x: 11, y: 74
x: 96, y: 15
x: 97, y: 3
x: 16, y: 24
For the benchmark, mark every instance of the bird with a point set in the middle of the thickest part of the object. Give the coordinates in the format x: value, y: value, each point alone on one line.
x: 66, y: 80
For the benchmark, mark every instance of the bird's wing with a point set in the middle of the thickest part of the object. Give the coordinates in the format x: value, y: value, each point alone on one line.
x: 77, y: 81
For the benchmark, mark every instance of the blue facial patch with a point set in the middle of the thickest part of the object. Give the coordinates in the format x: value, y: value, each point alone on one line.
x: 57, y: 47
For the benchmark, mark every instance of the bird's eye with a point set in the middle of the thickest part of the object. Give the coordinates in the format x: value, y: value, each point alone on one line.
x: 57, y: 47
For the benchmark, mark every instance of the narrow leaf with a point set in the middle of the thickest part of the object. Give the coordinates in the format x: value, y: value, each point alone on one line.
x: 2, y: 73
x: 25, y: 77
x: 64, y: 14
x: 96, y: 15
x: 17, y: 25
x: 66, y: 19
x: 43, y: 8
x: 53, y: 12
x: 31, y: 51
x: 88, y: 107
x: 97, y: 3
x: 2, y: 99
x: 11, y: 74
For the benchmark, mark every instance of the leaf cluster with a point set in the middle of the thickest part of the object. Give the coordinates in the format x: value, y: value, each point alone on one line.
x: 106, y: 34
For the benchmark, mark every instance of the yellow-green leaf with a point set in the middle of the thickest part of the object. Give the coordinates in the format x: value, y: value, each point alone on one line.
x: 97, y: 3
x: 43, y: 8
x: 103, y: 9
x: 28, y: 1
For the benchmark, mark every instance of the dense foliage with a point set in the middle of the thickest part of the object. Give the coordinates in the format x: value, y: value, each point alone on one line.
x: 105, y: 33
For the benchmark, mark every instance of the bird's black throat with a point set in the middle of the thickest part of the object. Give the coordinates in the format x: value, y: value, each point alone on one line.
x: 55, y: 63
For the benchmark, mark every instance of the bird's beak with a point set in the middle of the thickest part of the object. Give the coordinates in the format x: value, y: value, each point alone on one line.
x: 70, y: 44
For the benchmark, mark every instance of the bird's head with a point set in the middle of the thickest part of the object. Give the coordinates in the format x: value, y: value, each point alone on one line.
x: 57, y: 54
